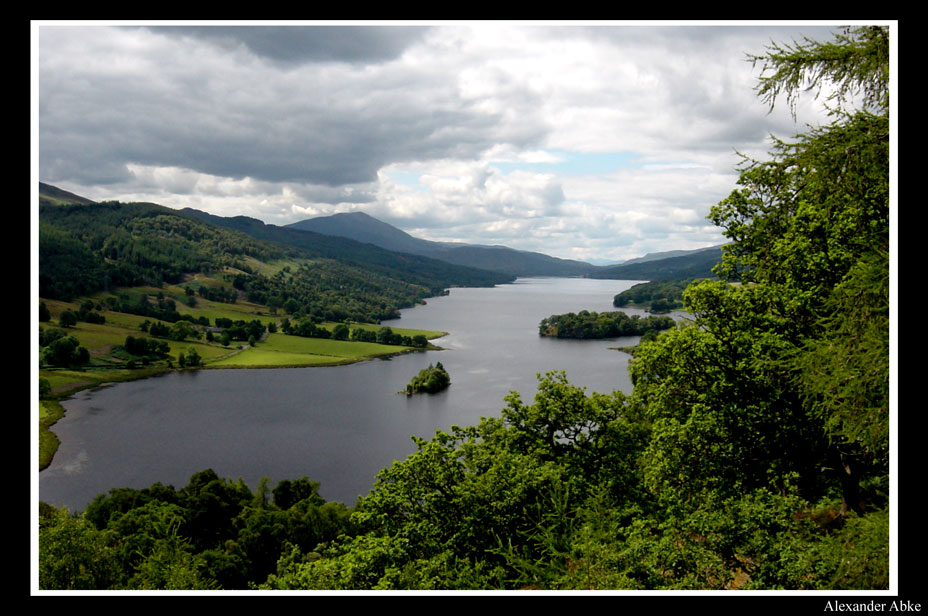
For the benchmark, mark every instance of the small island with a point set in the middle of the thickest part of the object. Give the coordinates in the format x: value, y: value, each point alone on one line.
x: 429, y: 380
x: 586, y: 324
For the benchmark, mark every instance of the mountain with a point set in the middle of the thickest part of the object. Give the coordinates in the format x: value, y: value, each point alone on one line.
x: 52, y: 195
x: 657, y: 256
x: 87, y: 247
x: 351, y: 239
x: 365, y: 228
x: 691, y: 264
x: 416, y: 269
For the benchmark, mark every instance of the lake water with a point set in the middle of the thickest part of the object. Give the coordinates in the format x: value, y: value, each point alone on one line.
x: 337, y: 425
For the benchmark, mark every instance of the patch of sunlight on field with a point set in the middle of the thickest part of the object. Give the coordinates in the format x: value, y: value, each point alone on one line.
x: 327, y: 346
x: 428, y: 333
x: 206, y: 351
x: 283, y: 350
x: 98, y: 335
x: 258, y: 357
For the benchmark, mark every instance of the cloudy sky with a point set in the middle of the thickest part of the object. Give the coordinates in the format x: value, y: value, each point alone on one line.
x: 594, y: 141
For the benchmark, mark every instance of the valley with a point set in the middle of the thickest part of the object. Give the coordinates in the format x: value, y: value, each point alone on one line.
x: 244, y: 406
x: 122, y: 266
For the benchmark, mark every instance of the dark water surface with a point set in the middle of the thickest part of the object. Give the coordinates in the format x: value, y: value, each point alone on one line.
x: 337, y: 425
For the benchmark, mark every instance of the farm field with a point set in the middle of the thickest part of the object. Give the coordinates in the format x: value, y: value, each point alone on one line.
x: 280, y: 350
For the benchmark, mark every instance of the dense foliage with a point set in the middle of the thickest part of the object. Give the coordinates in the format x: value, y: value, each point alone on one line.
x: 384, y: 335
x: 93, y: 247
x: 332, y: 291
x: 211, y: 534
x: 59, y: 349
x: 752, y: 454
x: 556, y: 495
x: 155, y: 305
x: 68, y: 268
x: 146, y: 347
x: 587, y: 324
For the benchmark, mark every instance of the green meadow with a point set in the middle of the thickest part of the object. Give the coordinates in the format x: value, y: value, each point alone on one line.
x: 280, y: 350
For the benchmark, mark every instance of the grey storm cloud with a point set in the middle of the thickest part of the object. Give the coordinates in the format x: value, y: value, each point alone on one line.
x: 296, y: 44
x: 272, y: 123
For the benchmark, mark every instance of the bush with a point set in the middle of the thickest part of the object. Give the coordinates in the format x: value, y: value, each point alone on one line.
x: 66, y: 351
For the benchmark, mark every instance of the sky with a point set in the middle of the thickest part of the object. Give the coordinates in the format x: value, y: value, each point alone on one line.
x: 597, y: 141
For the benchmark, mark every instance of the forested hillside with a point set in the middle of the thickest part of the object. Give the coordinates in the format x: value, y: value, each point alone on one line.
x: 414, y: 269
x: 92, y: 247
x: 752, y: 454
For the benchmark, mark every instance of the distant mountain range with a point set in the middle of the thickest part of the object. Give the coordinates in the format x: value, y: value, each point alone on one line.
x: 364, y: 228
x: 670, y: 254
x: 659, y: 266
x: 361, y: 238
x: 655, y: 266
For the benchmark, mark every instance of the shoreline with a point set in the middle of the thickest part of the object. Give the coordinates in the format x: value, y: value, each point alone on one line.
x: 51, y: 409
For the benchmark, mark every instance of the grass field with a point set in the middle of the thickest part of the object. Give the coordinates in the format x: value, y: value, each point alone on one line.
x: 428, y: 333
x: 280, y: 350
